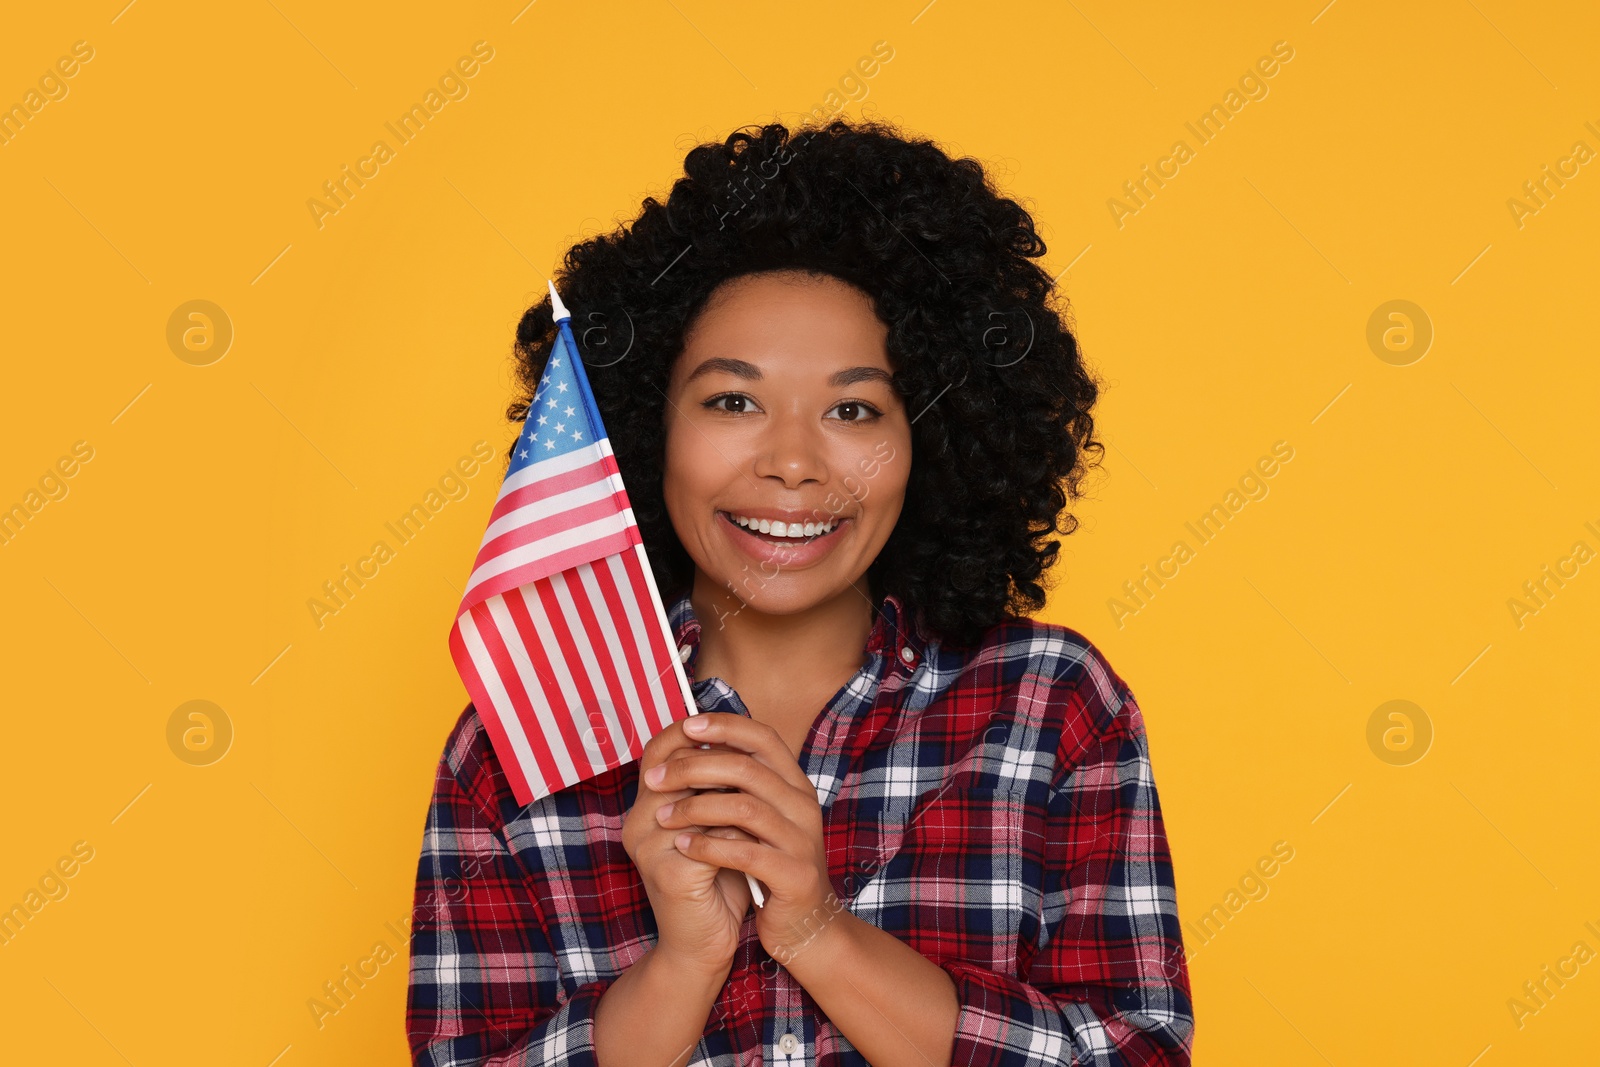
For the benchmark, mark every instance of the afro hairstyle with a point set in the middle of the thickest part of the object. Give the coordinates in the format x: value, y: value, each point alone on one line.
x: 979, y: 340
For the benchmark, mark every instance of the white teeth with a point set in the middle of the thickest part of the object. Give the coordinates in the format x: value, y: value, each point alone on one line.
x: 783, y: 529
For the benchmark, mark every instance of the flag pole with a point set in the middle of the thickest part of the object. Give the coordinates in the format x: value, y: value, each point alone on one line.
x: 563, y: 319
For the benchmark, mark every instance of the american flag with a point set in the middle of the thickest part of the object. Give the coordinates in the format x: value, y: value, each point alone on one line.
x: 561, y: 638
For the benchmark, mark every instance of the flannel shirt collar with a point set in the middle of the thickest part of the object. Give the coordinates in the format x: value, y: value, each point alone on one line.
x: 895, y: 634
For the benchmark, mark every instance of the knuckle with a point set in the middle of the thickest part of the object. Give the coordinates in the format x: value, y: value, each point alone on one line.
x: 665, y: 738
x: 747, y: 772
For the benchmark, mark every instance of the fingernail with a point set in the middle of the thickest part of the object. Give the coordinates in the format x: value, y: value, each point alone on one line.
x: 695, y: 725
x: 682, y: 840
x: 661, y: 812
x: 655, y: 774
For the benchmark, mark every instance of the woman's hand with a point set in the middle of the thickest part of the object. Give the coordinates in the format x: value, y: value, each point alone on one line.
x: 774, y: 802
x: 698, y: 904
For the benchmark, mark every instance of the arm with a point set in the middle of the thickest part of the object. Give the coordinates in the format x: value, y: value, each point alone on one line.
x: 897, y: 1007
x: 1109, y: 985
x: 655, y: 1012
x: 485, y: 984
x: 483, y: 977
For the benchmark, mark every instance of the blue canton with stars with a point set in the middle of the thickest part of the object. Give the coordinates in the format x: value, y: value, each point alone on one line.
x: 563, y: 416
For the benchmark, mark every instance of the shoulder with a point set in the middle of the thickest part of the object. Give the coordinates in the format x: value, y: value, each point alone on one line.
x: 469, y: 769
x: 1053, y: 680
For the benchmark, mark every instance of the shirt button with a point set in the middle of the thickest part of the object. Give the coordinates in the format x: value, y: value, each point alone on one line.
x: 787, y: 1044
x: 908, y: 654
x: 683, y: 653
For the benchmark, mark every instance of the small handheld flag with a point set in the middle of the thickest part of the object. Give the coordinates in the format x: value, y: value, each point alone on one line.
x: 561, y: 638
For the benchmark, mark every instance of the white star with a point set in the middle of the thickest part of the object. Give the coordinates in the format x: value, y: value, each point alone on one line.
x: 552, y: 403
x: 560, y: 426
x: 561, y: 386
x: 576, y: 436
x: 549, y: 444
x: 523, y: 454
x: 541, y: 420
x: 571, y: 411
x: 555, y: 363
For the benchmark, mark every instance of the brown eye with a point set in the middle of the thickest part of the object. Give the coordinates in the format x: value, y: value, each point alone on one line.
x: 738, y: 398
x: 857, y: 411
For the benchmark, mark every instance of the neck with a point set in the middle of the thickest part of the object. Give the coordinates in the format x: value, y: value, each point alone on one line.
x: 741, y: 644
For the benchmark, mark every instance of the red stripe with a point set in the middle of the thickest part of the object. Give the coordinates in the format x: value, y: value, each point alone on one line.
x: 611, y: 681
x: 526, y: 573
x: 580, y: 679
x: 638, y: 670
x: 488, y: 712
x: 661, y: 654
x: 546, y: 774
x: 534, y: 491
x: 552, y: 525
x: 521, y: 604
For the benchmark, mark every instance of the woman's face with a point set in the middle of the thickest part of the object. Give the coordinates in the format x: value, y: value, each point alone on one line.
x: 780, y: 410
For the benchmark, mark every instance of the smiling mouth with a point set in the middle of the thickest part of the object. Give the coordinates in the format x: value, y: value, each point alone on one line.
x: 820, y: 530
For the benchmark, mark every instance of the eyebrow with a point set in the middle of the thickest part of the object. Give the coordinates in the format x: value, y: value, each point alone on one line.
x: 740, y: 368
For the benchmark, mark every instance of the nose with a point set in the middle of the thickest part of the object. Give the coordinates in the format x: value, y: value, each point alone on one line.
x: 792, y: 450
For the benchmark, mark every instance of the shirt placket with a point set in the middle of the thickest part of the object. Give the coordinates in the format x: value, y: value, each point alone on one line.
x: 788, y: 1029
x: 789, y: 1037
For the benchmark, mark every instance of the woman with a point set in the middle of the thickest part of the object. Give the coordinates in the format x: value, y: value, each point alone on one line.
x: 849, y: 418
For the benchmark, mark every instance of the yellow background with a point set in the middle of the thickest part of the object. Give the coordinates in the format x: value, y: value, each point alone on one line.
x: 369, y: 354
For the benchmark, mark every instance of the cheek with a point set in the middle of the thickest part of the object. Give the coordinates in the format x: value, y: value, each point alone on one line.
x: 884, y: 471
x: 693, y: 471
x: 677, y: 472
x: 876, y: 476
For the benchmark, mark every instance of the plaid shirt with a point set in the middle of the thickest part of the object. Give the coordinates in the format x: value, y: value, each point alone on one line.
x: 991, y: 806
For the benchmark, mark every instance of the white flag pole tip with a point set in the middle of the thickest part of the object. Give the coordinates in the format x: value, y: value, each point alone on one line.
x: 558, y: 310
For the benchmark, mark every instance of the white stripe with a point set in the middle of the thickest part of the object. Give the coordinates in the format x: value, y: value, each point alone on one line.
x: 545, y: 547
x: 633, y: 699
x: 549, y: 507
x: 639, y: 632
x: 542, y: 623
x: 532, y: 686
x: 659, y: 619
x: 609, y: 702
x: 549, y: 468
x: 500, y: 701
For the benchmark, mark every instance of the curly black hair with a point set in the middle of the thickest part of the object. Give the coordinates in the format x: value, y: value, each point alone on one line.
x: 978, y: 337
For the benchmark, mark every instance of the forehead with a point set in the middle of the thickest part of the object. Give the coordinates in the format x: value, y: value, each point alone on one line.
x: 778, y: 320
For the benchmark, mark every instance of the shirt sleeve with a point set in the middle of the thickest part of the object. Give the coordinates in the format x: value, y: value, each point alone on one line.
x: 485, y: 987
x: 1108, y: 983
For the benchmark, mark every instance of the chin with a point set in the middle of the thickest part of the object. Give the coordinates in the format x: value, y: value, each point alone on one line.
x: 781, y: 594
